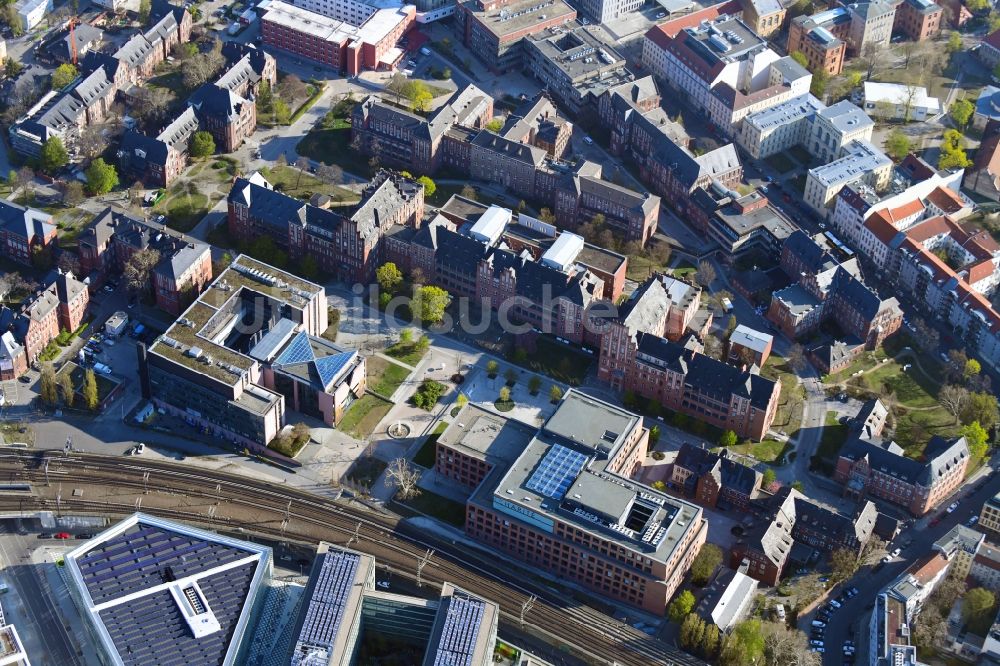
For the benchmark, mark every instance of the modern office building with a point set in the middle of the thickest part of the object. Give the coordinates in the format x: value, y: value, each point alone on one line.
x: 568, y: 505
x: 602, y: 11
x: 154, y: 591
x: 247, y: 350
x: 574, y: 66
x: 343, y: 613
x: 494, y: 29
x: 31, y: 12
x: 347, y: 36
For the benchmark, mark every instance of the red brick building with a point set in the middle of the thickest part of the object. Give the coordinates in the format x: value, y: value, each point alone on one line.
x: 182, y: 272
x: 918, y: 19
x: 710, y: 477
x: 24, y: 232
x: 568, y: 505
x: 880, y: 469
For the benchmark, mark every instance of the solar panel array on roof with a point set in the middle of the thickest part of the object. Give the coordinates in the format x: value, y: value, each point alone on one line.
x: 150, y: 630
x: 143, y: 556
x: 326, y: 605
x: 329, y: 366
x: 461, y: 628
x: 298, y: 351
x: 556, y: 471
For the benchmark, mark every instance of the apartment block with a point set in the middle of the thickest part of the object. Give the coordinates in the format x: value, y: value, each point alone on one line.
x: 985, y: 569
x: 346, y: 243
x: 569, y: 505
x: 861, y: 162
x: 897, y: 607
x: 494, y: 29
x: 989, y: 516
x: 871, y: 24
x: 919, y: 20
x: 247, y: 350
x: 350, y: 37
x: 960, y: 545
x: 182, y: 272
x: 723, y: 67
x: 880, y: 469
x: 780, y: 127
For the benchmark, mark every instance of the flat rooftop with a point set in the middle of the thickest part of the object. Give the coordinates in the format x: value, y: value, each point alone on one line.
x: 561, y: 476
x: 482, y: 434
x: 846, y: 117
x: 861, y: 159
x: 725, y: 40
x: 516, y: 17
x: 376, y: 26
x: 785, y: 113
x: 577, y: 53
x: 767, y: 218
x: 192, y: 340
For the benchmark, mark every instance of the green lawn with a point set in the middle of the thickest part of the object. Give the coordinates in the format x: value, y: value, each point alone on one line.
x: 442, y: 508
x: 184, y: 205
x: 561, y: 362
x: 303, y: 185
x: 834, y: 436
x: 768, y: 451
x: 428, y: 450
x: 780, y: 163
x: 333, y: 146
x: 640, y: 268
x: 364, y: 416
x: 865, y: 362
x: 384, y: 377
x: 684, y: 270
x: 408, y: 353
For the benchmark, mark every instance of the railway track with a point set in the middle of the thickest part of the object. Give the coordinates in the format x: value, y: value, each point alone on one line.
x: 290, y: 514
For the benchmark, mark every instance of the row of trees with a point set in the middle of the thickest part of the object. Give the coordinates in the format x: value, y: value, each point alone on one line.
x: 417, y: 93
x: 52, y: 385
x: 750, y: 642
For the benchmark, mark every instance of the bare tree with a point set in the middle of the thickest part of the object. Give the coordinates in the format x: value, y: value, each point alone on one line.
x: 72, y: 192
x: 786, y: 647
x: 26, y: 181
x: 871, y: 56
x: 713, y: 347
x: 69, y: 263
x: 301, y: 163
x: 705, y: 275
x: 953, y: 398
x: 90, y: 142
x: 401, y: 475
x: 151, y: 104
x: 292, y: 88
x: 796, y: 357
x: 330, y: 173
x: 138, y: 269
x: 14, y: 284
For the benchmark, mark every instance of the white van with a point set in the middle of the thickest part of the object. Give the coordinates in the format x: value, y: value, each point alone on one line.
x: 818, y: 623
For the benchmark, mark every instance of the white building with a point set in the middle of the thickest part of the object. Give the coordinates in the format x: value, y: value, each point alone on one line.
x: 780, y: 127
x: 724, y: 68
x: 899, y: 102
x: 113, y: 5
x: 861, y: 162
x: 836, y: 127
x: 602, y: 11
x: 32, y: 12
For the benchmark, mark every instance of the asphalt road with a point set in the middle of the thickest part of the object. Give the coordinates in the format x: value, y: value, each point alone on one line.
x: 853, y: 619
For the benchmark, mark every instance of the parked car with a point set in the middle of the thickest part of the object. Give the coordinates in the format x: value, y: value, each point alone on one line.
x: 952, y: 507
x: 62, y: 535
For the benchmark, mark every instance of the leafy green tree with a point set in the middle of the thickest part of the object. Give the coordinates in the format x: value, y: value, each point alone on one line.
x: 978, y: 606
x: 745, y: 645
x: 843, y: 563
x: 534, y: 384
x: 681, y: 606
x: 705, y: 563
x: 510, y: 374
x: 897, y: 145
x: 90, y: 397
x: 961, y: 112
x: 728, y: 439
x: 800, y: 57
x: 981, y: 407
x: 504, y: 394
x: 53, y: 155
x: 66, y: 384
x: 975, y: 436
x: 429, y: 186
x: 47, y: 389
x: 977, y: 6
x: 101, y: 177
x: 63, y: 76
x: 12, y: 68
x: 144, y: 9
x: 710, y: 641
x: 555, y: 394
x: 819, y: 82
x: 972, y: 368
x: 492, y: 367
x: 282, y: 114
x: 692, y: 629
x: 495, y: 125
x: 769, y: 478
x: 202, y: 144
x: 654, y: 434
x: 953, y: 151
x: 954, y: 44
x: 428, y: 304
x: 388, y: 276
x: 798, y: 485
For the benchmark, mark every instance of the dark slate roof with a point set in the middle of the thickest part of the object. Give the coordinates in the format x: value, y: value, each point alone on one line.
x: 728, y: 473
x: 460, y: 254
x: 512, y: 149
x: 274, y: 208
x: 211, y: 101
x: 139, y: 149
x: 941, y: 455
x: 811, y: 253
x: 160, y: 8
x: 861, y: 297
x: 375, y: 109
x: 24, y: 222
x: 533, y: 278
